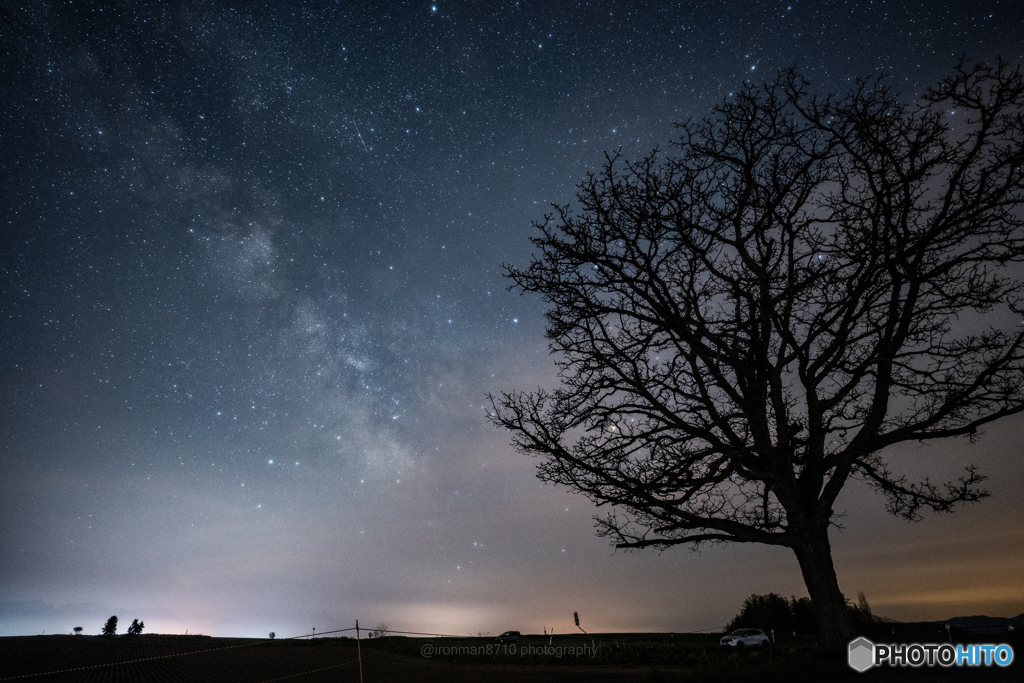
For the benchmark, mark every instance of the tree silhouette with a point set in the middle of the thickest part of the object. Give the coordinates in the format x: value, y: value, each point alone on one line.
x: 110, y: 628
x: 744, y: 326
x: 136, y: 627
x: 78, y: 630
x: 767, y: 612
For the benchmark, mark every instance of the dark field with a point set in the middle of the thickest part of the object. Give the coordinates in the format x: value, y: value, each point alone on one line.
x: 620, y: 657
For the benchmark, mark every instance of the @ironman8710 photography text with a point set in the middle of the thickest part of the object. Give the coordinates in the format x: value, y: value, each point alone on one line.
x: 430, y: 649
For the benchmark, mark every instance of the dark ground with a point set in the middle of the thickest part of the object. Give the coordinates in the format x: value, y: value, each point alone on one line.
x: 160, y: 659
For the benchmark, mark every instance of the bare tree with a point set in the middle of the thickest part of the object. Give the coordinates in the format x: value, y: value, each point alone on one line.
x: 744, y: 326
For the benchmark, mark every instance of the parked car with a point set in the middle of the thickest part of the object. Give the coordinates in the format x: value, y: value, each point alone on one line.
x: 746, y: 637
x: 508, y: 637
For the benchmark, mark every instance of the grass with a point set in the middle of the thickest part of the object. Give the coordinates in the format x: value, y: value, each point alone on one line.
x: 672, y: 650
x: 664, y: 658
x: 656, y: 658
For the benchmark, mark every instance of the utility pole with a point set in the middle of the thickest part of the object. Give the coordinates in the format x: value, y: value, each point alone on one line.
x: 359, y: 653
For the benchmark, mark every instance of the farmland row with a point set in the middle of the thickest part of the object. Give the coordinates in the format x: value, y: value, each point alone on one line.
x: 242, y: 661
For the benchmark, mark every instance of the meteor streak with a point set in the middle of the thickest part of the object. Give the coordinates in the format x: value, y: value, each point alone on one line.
x: 359, y: 134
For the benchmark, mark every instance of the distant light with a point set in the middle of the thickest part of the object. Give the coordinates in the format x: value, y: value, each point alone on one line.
x: 433, y: 8
x: 270, y: 462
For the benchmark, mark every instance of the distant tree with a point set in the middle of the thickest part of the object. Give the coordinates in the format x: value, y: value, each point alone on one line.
x: 766, y: 612
x: 795, y: 615
x: 78, y: 630
x: 804, y: 620
x: 864, y: 620
x: 380, y: 631
x: 745, y: 326
x: 110, y: 628
x: 136, y: 628
x: 863, y: 606
x: 273, y: 635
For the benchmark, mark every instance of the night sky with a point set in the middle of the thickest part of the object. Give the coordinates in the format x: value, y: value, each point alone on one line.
x: 251, y: 301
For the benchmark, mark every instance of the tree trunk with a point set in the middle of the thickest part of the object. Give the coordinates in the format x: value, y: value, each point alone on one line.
x: 835, y: 630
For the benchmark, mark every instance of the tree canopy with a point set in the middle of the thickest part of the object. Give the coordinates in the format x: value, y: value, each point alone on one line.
x: 775, y: 613
x: 135, y: 629
x: 747, y: 323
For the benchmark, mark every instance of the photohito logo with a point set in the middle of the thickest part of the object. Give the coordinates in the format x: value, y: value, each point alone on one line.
x: 863, y: 654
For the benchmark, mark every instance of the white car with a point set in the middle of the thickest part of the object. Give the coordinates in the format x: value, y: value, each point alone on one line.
x: 746, y: 637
